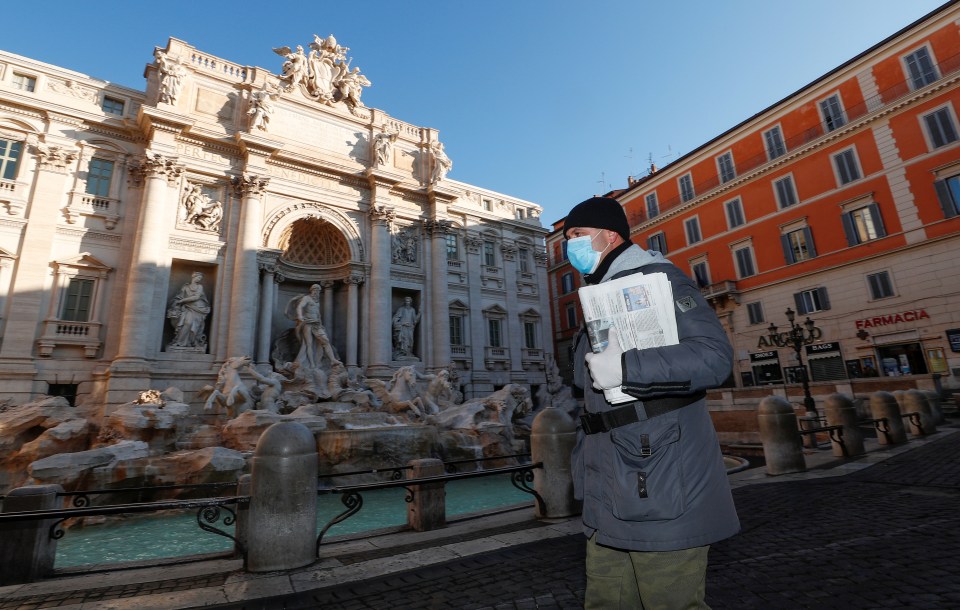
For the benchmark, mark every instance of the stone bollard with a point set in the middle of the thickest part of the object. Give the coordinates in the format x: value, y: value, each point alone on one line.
x: 884, y: 404
x: 282, y: 524
x: 27, y: 551
x: 841, y: 411
x: 780, y: 436
x: 428, y: 508
x: 243, y: 517
x: 553, y: 435
x: 915, y: 401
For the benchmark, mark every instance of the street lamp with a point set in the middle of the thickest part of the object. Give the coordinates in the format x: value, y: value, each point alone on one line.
x: 796, y: 337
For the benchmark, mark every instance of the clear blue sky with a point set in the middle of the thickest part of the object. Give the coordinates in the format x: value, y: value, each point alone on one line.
x: 551, y: 101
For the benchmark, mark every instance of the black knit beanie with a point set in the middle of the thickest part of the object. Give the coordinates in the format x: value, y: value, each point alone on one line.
x: 598, y: 213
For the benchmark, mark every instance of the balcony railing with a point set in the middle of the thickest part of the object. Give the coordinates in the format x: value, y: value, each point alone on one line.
x: 85, y: 204
x: 63, y: 332
x: 721, y: 290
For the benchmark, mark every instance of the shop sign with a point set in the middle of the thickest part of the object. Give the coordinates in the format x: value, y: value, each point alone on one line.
x: 953, y: 336
x: 914, y: 315
x: 761, y: 356
x: 816, y: 348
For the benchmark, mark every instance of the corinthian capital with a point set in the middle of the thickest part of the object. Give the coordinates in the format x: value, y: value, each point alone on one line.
x: 250, y: 185
x: 382, y: 214
x: 155, y: 164
x: 55, y: 157
x: 354, y: 278
x: 438, y: 227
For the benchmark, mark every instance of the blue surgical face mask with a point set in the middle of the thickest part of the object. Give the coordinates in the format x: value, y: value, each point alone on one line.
x: 582, y: 255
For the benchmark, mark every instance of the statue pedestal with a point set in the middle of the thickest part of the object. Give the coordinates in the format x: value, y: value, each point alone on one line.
x: 179, y: 349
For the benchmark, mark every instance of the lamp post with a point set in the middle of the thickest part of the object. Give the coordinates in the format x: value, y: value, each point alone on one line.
x: 796, y: 337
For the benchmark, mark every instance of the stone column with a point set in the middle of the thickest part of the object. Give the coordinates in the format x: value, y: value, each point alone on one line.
x: 28, y: 289
x: 268, y: 293
x: 439, y: 321
x: 328, y: 321
x: 378, y: 295
x: 243, y: 297
x: 353, y: 318
x: 514, y: 329
x: 478, y: 330
x: 543, y: 281
x: 159, y: 174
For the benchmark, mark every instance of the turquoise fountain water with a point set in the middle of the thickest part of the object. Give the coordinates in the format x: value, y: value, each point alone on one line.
x: 144, y: 538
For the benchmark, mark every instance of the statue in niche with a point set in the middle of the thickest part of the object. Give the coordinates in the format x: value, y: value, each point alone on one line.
x: 199, y: 210
x: 441, y: 162
x: 314, y: 343
x: 188, y: 314
x: 383, y: 146
x: 261, y: 106
x: 405, y: 247
x: 172, y: 74
x: 405, y: 320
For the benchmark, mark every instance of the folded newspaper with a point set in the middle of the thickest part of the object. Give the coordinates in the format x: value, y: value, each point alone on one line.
x: 639, y: 306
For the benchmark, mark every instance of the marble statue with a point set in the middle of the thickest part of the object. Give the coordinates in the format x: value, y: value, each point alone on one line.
x: 294, y: 70
x: 405, y: 320
x: 314, y: 343
x: 172, y: 74
x: 383, y: 146
x: 325, y: 73
x: 261, y: 106
x: 198, y: 210
x: 404, y: 245
x: 230, y: 390
x: 441, y: 162
x: 188, y: 313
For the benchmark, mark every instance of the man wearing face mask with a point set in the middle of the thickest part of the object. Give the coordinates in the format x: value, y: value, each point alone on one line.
x: 649, y: 472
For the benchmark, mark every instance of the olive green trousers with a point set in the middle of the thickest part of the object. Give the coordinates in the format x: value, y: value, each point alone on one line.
x: 636, y: 580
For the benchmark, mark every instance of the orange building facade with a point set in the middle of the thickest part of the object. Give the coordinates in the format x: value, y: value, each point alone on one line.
x: 840, y: 203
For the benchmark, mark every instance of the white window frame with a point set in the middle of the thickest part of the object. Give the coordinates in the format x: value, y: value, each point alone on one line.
x: 22, y: 81
x: 658, y: 242
x: 851, y: 163
x: 832, y: 113
x: 691, y: 228
x: 945, y: 130
x: 811, y: 301
x: 922, y: 76
x: 734, y: 204
x: 862, y: 222
x: 685, y: 185
x: 113, y: 100
x: 749, y: 257
x: 877, y: 281
x: 778, y: 193
x: 702, y: 279
x: 489, y: 253
x: 653, y: 206
x: 726, y: 169
x: 755, y: 313
x: 778, y: 147
x: 797, y: 241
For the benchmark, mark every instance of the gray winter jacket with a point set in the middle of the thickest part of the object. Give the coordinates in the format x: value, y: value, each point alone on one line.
x: 658, y: 484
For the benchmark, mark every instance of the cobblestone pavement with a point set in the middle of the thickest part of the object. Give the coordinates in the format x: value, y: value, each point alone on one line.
x: 887, y: 536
